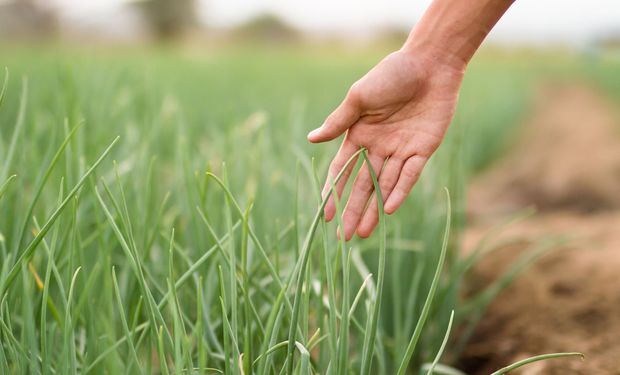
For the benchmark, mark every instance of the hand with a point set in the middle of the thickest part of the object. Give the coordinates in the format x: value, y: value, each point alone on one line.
x: 399, y: 111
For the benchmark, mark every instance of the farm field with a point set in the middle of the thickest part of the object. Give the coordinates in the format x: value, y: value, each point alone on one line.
x: 565, y: 300
x: 191, y: 243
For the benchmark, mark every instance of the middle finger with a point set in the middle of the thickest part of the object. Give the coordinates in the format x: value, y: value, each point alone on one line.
x: 360, y: 193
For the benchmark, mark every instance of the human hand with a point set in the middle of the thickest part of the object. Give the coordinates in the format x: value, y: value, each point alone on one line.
x: 399, y: 111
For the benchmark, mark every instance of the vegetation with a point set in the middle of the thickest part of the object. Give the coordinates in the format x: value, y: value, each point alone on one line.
x: 159, y: 213
x: 168, y: 19
x: 267, y: 28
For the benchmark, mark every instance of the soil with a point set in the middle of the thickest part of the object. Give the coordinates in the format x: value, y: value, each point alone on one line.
x: 566, y: 163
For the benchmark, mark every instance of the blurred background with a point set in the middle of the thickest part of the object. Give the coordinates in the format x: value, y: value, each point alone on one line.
x: 528, y: 23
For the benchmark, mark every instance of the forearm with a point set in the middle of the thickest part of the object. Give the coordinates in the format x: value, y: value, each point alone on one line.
x: 451, y: 31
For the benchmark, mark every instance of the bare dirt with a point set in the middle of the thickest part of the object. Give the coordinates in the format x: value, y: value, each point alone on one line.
x: 566, y: 163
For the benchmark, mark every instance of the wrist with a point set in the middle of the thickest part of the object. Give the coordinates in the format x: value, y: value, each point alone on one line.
x: 433, y: 57
x: 450, y: 31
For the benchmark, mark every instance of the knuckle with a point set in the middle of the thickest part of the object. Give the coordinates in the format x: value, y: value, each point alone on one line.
x: 411, y: 173
x: 414, y: 165
x: 334, y: 166
x: 355, y: 93
x: 363, y: 182
x: 398, y: 194
x: 430, y: 145
x: 367, y: 186
x: 329, y: 120
x: 386, y: 183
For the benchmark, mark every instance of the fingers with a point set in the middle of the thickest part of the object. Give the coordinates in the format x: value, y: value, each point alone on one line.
x: 347, y: 149
x: 347, y: 114
x: 387, y: 181
x: 362, y: 188
x: 408, y: 177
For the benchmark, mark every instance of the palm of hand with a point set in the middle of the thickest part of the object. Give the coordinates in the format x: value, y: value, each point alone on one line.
x: 399, y: 112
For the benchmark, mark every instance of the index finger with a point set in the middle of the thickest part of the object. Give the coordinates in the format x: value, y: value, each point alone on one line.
x: 347, y: 149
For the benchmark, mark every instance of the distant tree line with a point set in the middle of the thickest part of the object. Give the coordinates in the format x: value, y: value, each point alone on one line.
x: 165, y: 19
x: 169, y: 19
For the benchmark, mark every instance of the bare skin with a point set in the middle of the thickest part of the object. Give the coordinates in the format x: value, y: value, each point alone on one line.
x: 401, y: 109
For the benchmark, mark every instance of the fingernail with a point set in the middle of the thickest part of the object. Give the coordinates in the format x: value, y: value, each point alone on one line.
x: 329, y: 217
x: 314, y: 133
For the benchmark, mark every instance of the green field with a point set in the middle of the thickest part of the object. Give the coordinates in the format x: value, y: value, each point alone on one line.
x: 149, y: 263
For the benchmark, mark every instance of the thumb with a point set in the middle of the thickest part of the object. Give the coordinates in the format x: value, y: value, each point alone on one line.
x: 347, y: 114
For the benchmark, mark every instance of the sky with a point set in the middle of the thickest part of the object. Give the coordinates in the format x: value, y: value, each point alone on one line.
x: 528, y: 21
